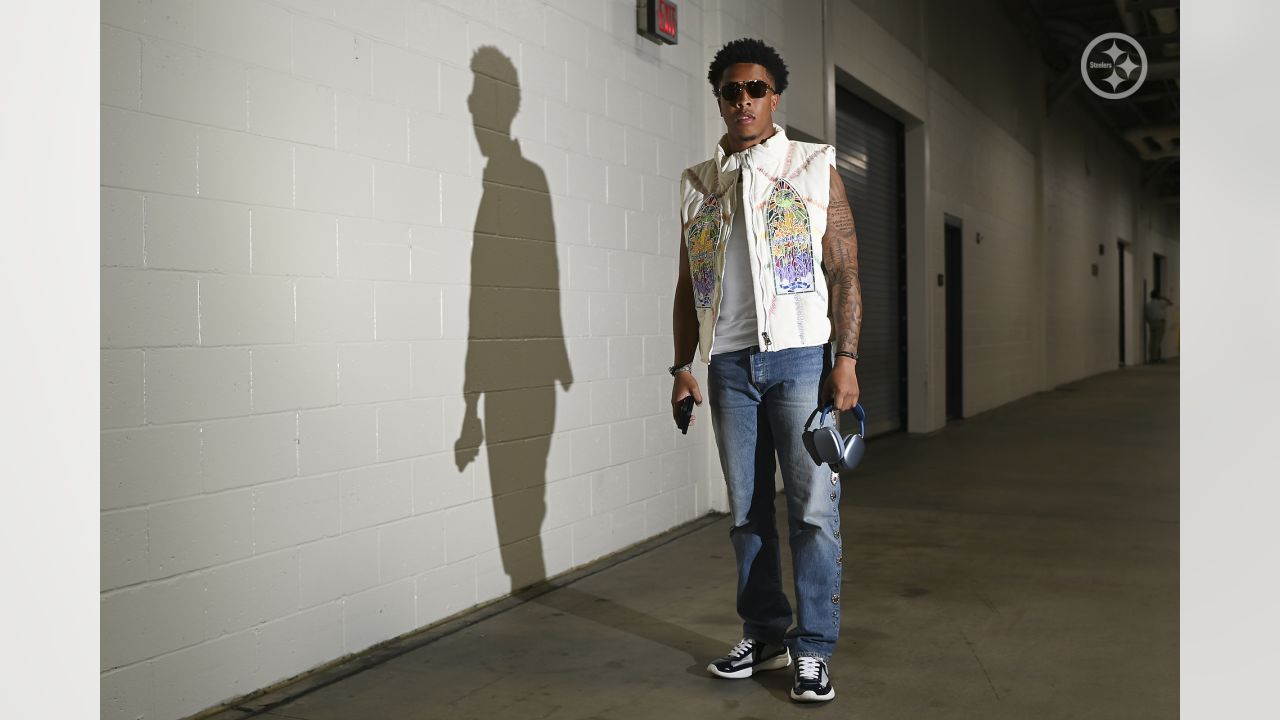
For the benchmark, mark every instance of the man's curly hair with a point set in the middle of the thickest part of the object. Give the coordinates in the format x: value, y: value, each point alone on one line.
x: 748, y: 50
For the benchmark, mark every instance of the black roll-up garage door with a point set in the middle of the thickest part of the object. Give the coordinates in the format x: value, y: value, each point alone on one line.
x: 869, y: 157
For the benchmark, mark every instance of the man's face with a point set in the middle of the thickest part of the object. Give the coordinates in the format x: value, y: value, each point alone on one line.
x: 748, y: 119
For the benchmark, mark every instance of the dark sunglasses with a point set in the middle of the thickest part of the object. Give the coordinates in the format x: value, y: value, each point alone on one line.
x: 755, y: 88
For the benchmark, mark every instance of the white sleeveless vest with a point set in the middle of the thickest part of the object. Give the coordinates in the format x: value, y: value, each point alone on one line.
x: 786, y: 189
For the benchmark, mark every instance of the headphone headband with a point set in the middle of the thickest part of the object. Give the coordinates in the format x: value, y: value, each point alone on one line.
x: 814, y: 414
x: 858, y: 412
x: 861, y: 414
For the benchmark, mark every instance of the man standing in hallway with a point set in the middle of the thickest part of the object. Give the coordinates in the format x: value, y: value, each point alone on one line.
x: 750, y: 298
x: 1155, y: 315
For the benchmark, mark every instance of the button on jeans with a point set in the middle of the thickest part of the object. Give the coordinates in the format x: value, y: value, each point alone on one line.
x: 760, y: 402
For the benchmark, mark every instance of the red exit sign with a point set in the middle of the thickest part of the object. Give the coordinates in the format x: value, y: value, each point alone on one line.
x: 658, y: 21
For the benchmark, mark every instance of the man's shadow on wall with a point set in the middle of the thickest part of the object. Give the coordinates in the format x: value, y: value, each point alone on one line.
x: 516, y: 348
x: 516, y: 354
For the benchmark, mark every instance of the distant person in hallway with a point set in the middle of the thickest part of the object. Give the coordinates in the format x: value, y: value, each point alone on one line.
x: 1155, y: 314
x: 780, y: 339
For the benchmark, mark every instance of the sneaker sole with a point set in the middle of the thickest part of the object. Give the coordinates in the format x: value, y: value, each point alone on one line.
x: 810, y: 696
x: 774, y: 663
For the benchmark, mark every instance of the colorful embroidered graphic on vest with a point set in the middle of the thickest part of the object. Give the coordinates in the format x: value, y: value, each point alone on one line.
x: 787, y: 224
x: 703, y: 240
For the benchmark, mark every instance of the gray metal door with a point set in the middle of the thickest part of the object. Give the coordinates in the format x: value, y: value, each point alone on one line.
x: 869, y: 158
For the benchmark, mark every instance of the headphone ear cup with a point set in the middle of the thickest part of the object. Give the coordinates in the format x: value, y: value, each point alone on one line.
x: 853, y: 451
x: 807, y: 438
x: 829, y: 444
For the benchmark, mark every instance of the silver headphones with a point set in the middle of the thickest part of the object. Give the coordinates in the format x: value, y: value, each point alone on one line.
x: 827, y: 445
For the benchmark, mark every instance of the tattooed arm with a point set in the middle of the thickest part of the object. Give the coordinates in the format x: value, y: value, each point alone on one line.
x: 840, y: 261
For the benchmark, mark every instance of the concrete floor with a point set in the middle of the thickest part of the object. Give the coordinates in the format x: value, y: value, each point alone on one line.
x: 1020, y: 564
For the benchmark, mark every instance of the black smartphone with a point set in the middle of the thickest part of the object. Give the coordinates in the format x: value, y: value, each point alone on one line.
x: 686, y: 412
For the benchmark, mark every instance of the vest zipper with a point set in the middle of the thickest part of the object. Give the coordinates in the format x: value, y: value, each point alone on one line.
x: 748, y: 201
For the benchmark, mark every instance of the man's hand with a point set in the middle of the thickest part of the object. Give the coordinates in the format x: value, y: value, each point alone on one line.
x: 841, y: 386
x: 684, y: 385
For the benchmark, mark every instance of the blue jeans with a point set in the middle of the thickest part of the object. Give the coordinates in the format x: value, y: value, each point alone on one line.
x: 759, y: 404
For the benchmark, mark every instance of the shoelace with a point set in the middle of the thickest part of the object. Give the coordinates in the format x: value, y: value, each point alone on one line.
x: 810, y: 668
x: 740, y: 648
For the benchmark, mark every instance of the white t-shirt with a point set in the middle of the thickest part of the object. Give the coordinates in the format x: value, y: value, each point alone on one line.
x: 736, y: 325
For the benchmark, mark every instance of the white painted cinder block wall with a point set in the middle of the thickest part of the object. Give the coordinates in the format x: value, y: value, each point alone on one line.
x: 289, y: 200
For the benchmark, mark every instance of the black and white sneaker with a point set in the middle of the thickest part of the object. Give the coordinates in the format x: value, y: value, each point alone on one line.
x: 750, y: 656
x: 813, y: 684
